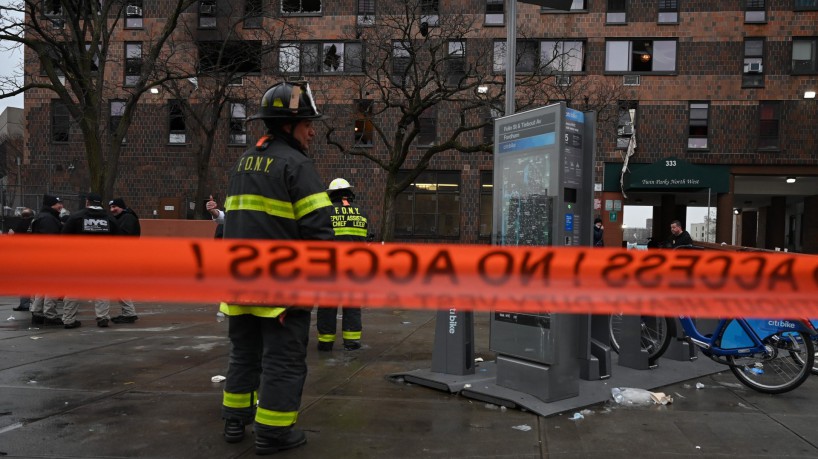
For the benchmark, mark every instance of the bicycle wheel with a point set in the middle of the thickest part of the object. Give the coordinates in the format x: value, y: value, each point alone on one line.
x: 655, y: 333
x: 797, y: 357
x: 786, y: 364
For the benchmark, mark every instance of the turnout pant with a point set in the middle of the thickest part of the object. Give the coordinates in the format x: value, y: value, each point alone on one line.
x: 350, y: 324
x: 268, y: 364
x: 45, y: 306
x: 72, y: 305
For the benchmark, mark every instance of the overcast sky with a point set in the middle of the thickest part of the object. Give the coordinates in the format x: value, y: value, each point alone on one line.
x: 10, y: 62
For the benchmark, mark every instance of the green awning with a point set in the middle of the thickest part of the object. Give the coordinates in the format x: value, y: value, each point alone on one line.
x: 668, y: 174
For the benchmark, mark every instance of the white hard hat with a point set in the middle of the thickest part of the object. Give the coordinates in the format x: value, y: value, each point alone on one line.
x: 338, y: 184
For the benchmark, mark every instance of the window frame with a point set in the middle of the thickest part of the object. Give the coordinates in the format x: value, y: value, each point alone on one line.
x: 694, y: 125
x: 130, y: 62
x: 616, y: 12
x: 237, y: 123
x: 176, y: 116
x: 455, y: 64
x: 751, y: 78
x: 136, y: 20
x: 400, y: 61
x: 207, y: 13
x: 366, y: 12
x: 802, y: 5
x: 116, y: 109
x: 495, y: 13
x: 563, y: 56
x: 651, y: 50
x: 363, y: 128
x: 253, y: 14
x: 301, y: 11
x: 60, y: 122
x: 309, y: 57
x: 427, y: 128
x: 211, y: 50
x: 769, y: 128
x: 576, y: 7
x: 668, y: 12
x: 812, y: 67
x: 755, y: 11
x: 440, y: 186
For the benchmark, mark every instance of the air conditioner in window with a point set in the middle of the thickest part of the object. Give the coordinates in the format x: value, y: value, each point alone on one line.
x: 753, y: 67
x: 133, y: 10
x: 630, y: 80
x: 563, y: 80
x: 207, y: 8
x: 625, y: 130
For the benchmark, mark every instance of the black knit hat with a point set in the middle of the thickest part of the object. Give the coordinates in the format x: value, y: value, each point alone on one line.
x: 49, y: 200
x: 119, y: 202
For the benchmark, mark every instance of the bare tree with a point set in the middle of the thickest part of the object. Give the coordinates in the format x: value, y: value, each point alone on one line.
x: 71, y: 42
x: 420, y: 61
x: 214, y: 91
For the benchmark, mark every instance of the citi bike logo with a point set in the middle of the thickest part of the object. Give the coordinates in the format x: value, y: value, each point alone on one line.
x: 781, y: 323
x: 452, y: 321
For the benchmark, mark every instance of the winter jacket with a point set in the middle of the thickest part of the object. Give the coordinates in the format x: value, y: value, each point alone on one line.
x: 47, y: 221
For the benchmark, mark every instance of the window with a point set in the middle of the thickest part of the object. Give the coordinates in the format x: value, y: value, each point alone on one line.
x: 697, y: 131
x: 562, y: 56
x: 429, y: 207
x: 133, y: 14
x: 753, y: 76
x: 486, y: 217
x: 231, y: 57
x: 769, y: 121
x: 253, y: 14
x: 60, y: 121
x: 429, y: 11
x: 627, y: 123
x: 755, y: 11
x: 300, y: 6
x: 94, y: 58
x: 456, y: 63
x: 495, y: 14
x: 366, y: 12
x: 133, y: 63
x: 640, y: 56
x: 330, y: 57
x: 801, y: 5
x: 52, y: 8
x: 363, y: 123
x: 117, y: 111
x: 238, y: 127
x: 428, y: 127
x: 668, y: 12
x: 207, y: 14
x: 400, y: 62
x: 176, y: 122
x: 576, y: 5
x: 804, y: 55
x: 617, y: 12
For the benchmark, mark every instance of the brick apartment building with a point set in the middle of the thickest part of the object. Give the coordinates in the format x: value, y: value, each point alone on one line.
x: 714, y: 91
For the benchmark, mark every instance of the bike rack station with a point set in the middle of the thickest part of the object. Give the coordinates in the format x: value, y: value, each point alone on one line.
x: 547, y: 363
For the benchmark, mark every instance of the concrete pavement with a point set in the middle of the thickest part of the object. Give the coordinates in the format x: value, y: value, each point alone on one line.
x: 144, y: 390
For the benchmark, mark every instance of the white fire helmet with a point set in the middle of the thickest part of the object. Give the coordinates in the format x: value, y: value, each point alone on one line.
x: 339, y: 184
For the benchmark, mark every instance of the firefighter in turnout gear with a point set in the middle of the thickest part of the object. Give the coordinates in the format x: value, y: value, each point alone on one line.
x: 349, y: 224
x: 274, y: 192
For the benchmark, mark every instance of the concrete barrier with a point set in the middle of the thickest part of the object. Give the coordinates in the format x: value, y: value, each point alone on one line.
x: 177, y: 228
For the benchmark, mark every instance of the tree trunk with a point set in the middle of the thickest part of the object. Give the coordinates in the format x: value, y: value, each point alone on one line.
x: 203, y: 190
x: 388, y: 214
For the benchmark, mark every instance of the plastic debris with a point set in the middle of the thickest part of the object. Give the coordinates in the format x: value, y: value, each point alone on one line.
x: 218, y: 378
x: 36, y: 337
x: 630, y: 396
x: 466, y: 386
x: 522, y: 427
x: 478, y: 359
x: 576, y: 417
x: 699, y: 385
x: 220, y: 316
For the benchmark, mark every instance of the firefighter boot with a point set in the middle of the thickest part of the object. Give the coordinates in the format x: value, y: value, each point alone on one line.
x: 352, y: 344
x: 233, y: 430
x: 325, y: 346
x: 288, y: 438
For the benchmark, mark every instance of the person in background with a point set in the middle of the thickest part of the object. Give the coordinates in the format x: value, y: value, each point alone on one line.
x: 128, y: 223
x: 349, y: 224
x: 599, y: 232
x: 47, y: 221
x: 23, y: 226
x: 217, y: 215
x: 274, y: 192
x: 678, y: 236
x: 92, y: 220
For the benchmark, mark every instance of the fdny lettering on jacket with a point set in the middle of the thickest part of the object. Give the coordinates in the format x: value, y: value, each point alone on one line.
x: 95, y: 225
x: 254, y: 163
x: 348, y: 216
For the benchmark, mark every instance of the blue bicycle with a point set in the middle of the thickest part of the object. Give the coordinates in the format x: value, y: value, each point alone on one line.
x: 768, y: 355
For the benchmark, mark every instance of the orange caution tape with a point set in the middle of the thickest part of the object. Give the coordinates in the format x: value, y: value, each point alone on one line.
x: 526, y: 279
